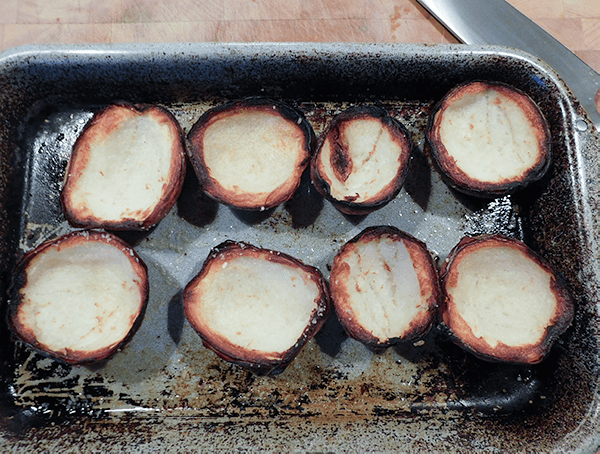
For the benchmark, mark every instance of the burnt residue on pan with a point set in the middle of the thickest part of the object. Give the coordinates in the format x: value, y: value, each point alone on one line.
x: 428, y: 393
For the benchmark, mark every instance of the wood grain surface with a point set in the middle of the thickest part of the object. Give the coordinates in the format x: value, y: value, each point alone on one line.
x: 576, y: 23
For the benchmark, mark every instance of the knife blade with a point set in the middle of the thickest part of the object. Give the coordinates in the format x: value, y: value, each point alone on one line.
x: 499, y: 23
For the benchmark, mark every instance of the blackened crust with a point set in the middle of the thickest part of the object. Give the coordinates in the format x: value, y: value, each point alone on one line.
x: 248, y: 202
x: 19, y: 281
x: 252, y: 359
x: 428, y: 280
x: 174, y: 182
x: 396, y: 129
x: 461, y: 333
x: 457, y: 178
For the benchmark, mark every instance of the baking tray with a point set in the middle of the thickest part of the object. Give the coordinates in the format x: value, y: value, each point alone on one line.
x: 164, y: 391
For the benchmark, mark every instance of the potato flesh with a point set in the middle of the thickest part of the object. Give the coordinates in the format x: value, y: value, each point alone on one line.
x: 80, y: 298
x: 253, y: 152
x: 375, y: 159
x: 504, y: 296
x: 390, y: 294
x: 127, y: 170
x: 258, y: 304
x: 489, y: 136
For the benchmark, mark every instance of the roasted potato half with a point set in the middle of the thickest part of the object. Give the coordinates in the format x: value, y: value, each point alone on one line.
x: 489, y: 139
x: 256, y: 307
x: 78, y: 297
x: 503, y: 302
x: 385, y: 287
x: 126, y: 169
x: 362, y: 159
x: 250, y: 154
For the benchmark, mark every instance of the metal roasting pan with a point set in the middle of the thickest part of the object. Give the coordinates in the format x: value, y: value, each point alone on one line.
x: 165, y: 392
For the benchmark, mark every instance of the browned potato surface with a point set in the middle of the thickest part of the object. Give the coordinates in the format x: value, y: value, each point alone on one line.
x: 489, y: 139
x: 79, y: 297
x: 384, y: 287
x: 250, y: 154
x: 362, y: 159
x: 256, y: 307
x: 126, y: 170
x: 503, y: 302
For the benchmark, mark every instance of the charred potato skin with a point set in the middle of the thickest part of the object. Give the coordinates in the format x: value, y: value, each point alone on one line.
x: 176, y: 176
x: 19, y: 281
x: 418, y: 327
x: 196, y: 154
x: 459, y: 180
x: 528, y: 354
x: 252, y: 360
x: 398, y: 131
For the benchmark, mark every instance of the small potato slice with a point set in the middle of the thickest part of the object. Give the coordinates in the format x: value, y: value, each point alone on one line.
x: 251, y: 154
x: 384, y: 287
x: 489, y: 139
x: 256, y: 307
x: 126, y: 170
x: 502, y: 301
x: 79, y: 297
x: 362, y: 159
